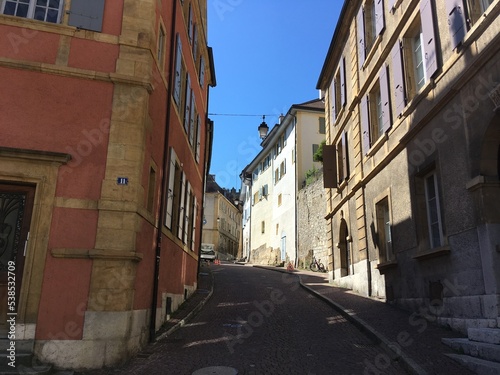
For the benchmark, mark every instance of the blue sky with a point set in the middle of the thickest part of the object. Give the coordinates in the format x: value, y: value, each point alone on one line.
x: 268, y: 55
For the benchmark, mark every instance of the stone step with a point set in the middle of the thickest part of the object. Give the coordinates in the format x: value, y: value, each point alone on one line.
x: 479, y: 366
x: 489, y: 352
x: 488, y: 335
x: 22, y: 346
x: 21, y: 369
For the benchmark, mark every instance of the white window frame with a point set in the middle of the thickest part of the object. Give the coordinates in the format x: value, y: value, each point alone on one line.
x: 32, y: 7
x: 418, y: 61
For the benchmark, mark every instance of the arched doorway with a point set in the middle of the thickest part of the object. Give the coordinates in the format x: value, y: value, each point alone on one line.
x: 345, y: 250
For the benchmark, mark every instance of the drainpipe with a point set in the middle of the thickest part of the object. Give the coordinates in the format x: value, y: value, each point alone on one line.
x: 159, y: 225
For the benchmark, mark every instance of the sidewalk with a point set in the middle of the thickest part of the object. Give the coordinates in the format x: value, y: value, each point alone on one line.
x: 415, y: 342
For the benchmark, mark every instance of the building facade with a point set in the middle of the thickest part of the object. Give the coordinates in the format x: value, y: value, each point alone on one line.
x: 412, y: 157
x: 271, y: 181
x: 222, y: 220
x: 103, y: 154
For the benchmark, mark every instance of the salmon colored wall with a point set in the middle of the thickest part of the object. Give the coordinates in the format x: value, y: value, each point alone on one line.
x: 92, y: 55
x: 64, y: 299
x: 80, y: 130
x: 73, y: 228
x: 30, y: 45
x: 145, y: 244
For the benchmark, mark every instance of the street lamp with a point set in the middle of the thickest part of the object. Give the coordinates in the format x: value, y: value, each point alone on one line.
x: 263, y: 128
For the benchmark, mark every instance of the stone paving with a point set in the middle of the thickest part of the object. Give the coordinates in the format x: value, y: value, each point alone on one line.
x: 415, y: 340
x: 261, y: 322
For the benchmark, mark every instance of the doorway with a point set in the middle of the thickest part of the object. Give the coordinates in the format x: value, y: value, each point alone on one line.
x: 16, y: 206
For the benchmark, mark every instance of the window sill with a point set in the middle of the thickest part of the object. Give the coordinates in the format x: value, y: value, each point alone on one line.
x: 377, y: 145
x: 370, y: 54
x: 386, y: 266
x: 431, y: 253
x: 342, y: 185
x: 412, y: 104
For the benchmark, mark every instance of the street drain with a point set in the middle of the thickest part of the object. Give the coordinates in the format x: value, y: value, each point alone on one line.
x: 216, y: 370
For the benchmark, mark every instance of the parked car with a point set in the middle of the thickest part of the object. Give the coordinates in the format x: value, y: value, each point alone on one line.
x: 208, y: 252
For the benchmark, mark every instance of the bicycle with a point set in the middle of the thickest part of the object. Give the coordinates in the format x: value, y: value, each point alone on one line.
x: 316, y: 265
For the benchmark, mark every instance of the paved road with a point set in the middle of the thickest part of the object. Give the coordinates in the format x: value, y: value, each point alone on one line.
x: 261, y: 322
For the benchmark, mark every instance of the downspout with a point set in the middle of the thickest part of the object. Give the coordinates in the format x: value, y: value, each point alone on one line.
x: 208, y: 144
x: 159, y: 225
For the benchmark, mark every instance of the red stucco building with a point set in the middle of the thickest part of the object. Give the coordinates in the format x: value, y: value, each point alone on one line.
x: 104, y: 148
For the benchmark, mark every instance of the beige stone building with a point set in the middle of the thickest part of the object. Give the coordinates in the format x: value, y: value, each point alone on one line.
x: 222, y: 220
x: 412, y: 157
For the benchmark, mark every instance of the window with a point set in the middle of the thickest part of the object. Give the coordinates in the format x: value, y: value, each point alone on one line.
x: 475, y: 9
x: 370, y: 24
x: 384, y: 235
x: 256, y: 197
x: 428, y: 206
x: 280, y: 198
x: 263, y: 227
x: 160, y: 53
x: 338, y: 91
x: 375, y: 109
x: 343, y: 159
x: 433, y: 211
x: 415, y: 58
x: 266, y: 163
x: 41, y: 10
x: 322, y: 127
x: 277, y: 229
x: 315, y: 149
x: 280, y: 172
x: 178, y: 71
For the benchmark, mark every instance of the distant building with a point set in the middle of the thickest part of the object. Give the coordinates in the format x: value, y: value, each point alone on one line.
x: 412, y: 156
x: 104, y: 149
x: 271, y: 181
x: 222, y: 220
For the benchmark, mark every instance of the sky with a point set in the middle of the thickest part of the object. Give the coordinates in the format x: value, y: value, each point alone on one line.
x: 268, y: 55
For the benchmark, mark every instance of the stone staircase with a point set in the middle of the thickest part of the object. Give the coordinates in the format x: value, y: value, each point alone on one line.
x: 25, y: 361
x: 480, y: 352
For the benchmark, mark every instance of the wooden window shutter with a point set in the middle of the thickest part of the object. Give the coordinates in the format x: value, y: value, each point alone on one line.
x: 333, y: 102
x: 187, y: 109
x: 202, y: 71
x: 182, y: 210
x: 343, y: 86
x: 399, y: 80
x: 429, y: 39
x: 198, y: 139
x: 456, y: 21
x: 190, y: 24
x: 385, y: 97
x: 178, y: 71
x: 192, y: 121
x: 345, y: 155
x: 329, y: 166
x: 86, y: 14
x: 379, y: 16
x: 170, y: 191
x: 360, y: 22
x: 365, y: 124
x: 187, y: 213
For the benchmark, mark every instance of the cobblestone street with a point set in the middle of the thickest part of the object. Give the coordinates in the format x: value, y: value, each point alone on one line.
x: 262, y: 322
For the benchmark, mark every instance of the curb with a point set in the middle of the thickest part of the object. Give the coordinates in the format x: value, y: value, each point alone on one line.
x: 190, y: 315
x: 394, y: 352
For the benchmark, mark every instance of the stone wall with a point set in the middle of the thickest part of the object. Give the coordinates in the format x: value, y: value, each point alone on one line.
x: 311, y: 223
